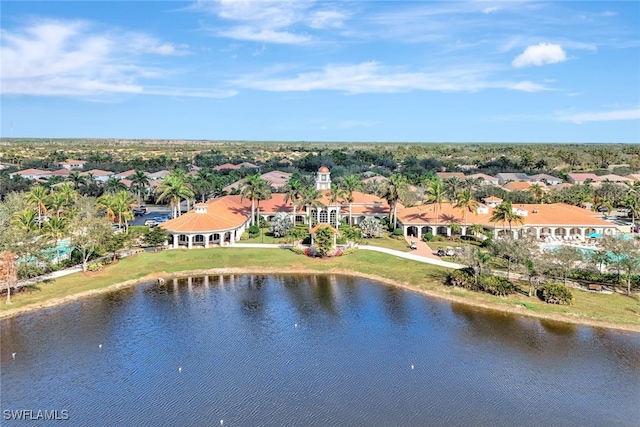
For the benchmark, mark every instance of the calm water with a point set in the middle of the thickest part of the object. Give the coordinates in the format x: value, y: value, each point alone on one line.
x: 310, y: 351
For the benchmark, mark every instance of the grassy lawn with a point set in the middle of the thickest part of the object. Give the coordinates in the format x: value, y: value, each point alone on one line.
x: 611, y: 308
x: 388, y: 242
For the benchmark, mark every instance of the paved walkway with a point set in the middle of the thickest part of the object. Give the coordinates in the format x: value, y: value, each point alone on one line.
x: 423, y: 254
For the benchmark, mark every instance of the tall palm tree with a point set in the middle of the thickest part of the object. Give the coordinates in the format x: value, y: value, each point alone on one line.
x: 108, y: 203
x: 504, y: 213
x: 39, y: 196
x: 76, y: 179
x: 174, y: 189
x: 139, y: 183
x: 311, y: 199
x: 293, y: 192
x: 113, y: 185
x: 351, y: 184
x: 57, y: 203
x: 475, y: 229
x: 453, y: 186
x: 537, y: 191
x: 56, y: 228
x: 122, y: 203
x: 203, y: 184
x: 394, y: 188
x: 466, y: 203
x: 632, y: 202
x: 436, y: 194
x: 336, y: 194
x: 68, y: 194
x: 263, y: 193
x: 254, y: 188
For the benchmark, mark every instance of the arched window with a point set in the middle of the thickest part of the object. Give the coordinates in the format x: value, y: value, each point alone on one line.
x: 324, y: 218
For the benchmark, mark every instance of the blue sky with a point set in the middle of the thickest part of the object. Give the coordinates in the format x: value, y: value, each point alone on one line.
x: 417, y: 71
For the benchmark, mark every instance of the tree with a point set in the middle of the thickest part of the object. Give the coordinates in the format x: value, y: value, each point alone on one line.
x: 156, y: 236
x: 623, y: 255
x: 564, y: 259
x: 466, y: 203
x: 77, y: 180
x: 293, y: 192
x: 476, y: 229
x: 504, y: 213
x: 537, y: 191
x: 8, y: 272
x: 38, y: 196
x: 56, y: 228
x: 174, y: 189
x: 371, y: 227
x: 323, y: 240
x: 350, y: 184
x: 452, y: 187
x: 139, y: 184
x: 297, y: 233
x: 474, y: 259
x: 393, y: 189
x: 114, y: 185
x: 254, y: 189
x: 436, y: 194
x: 88, y: 234
x: 311, y: 199
x: 24, y: 220
x: 335, y: 195
x: 281, y: 224
x: 122, y: 204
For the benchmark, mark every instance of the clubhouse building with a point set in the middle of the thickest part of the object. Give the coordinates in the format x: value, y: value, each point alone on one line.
x: 222, y: 221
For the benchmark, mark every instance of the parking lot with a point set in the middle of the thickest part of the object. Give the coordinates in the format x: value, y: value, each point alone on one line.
x: 152, y: 211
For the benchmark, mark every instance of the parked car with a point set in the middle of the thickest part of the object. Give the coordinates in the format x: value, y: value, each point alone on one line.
x: 139, y: 212
x: 161, y: 219
x: 440, y: 251
x: 150, y: 222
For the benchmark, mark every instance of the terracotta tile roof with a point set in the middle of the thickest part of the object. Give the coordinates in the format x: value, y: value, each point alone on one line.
x: 445, y: 175
x: 276, y: 178
x: 522, y: 186
x: 73, y: 162
x: 485, y: 177
x: 222, y: 214
x: 59, y: 172
x: 583, y: 177
x: 634, y: 176
x: 615, y: 178
x: 226, y: 166
x: 492, y: 199
x: 98, y: 172
x: 31, y: 172
x: 126, y: 174
x: 557, y: 214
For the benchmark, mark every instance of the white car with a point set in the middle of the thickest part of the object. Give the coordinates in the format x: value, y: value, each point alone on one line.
x: 150, y: 222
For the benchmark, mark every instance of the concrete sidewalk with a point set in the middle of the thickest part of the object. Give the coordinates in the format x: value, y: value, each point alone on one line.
x: 424, y: 258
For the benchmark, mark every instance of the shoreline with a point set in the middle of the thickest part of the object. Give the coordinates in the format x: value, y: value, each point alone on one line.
x: 515, y: 309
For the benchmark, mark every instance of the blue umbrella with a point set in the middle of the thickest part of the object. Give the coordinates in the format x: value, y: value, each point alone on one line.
x: 595, y: 235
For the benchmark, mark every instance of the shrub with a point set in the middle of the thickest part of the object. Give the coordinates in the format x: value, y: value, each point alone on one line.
x: 555, y: 293
x: 398, y: 232
x: 439, y: 238
x: 254, y: 231
x: 371, y: 227
x: 155, y: 236
x: 428, y: 237
x: 281, y: 224
x: 95, y: 266
x: 349, y: 250
x: 496, y: 285
x: 298, y: 250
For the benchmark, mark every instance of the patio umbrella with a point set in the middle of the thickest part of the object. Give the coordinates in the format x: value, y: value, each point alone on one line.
x: 595, y: 235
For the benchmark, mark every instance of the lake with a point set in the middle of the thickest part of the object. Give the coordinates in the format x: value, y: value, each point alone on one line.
x: 301, y: 350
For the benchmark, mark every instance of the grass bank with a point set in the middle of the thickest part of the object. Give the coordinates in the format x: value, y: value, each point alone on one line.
x: 616, y: 311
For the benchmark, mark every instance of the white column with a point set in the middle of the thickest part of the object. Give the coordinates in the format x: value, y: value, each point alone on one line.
x: 583, y: 233
x: 232, y: 235
x: 448, y: 231
x: 553, y: 231
x: 538, y: 233
x: 405, y: 230
x: 175, y: 240
x: 419, y: 233
x: 206, y: 240
x: 190, y: 240
x: 463, y: 231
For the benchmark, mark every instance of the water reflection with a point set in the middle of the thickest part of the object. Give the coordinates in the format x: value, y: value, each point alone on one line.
x: 311, y: 350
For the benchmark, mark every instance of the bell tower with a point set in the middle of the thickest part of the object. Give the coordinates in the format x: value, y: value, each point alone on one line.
x: 323, y: 179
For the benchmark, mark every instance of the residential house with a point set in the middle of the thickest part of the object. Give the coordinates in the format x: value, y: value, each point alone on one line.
x: 446, y: 175
x: 71, y: 164
x: 484, y: 179
x: 543, y: 177
x: 581, y: 178
x: 506, y: 177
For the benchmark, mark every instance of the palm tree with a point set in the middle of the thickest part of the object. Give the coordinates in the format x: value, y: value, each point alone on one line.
x: 107, y: 202
x: 57, y: 202
x: 56, y: 228
x: 504, y: 213
x: 335, y: 194
x: 351, y: 184
x: 476, y: 229
x: 174, y: 189
x: 139, y: 183
x: 394, y: 188
x: 467, y: 204
x: 114, y: 185
x: 452, y: 187
x: 39, y: 196
x: 263, y: 193
x: 24, y: 220
x: 203, y: 183
x: 293, y: 192
x: 68, y: 195
x: 632, y: 202
x: 253, y: 190
x: 436, y: 194
x: 76, y: 179
x: 537, y: 191
x: 311, y: 199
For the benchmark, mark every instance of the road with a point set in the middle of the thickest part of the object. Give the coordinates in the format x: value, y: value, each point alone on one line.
x: 152, y: 211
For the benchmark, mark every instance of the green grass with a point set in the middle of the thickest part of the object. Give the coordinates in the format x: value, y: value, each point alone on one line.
x: 388, y: 242
x: 613, y: 308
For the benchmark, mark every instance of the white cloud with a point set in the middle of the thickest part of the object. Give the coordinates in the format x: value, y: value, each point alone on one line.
x: 274, y: 21
x: 78, y: 59
x: 540, y: 54
x: 489, y: 10
x: 633, y: 114
x: 371, y: 77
